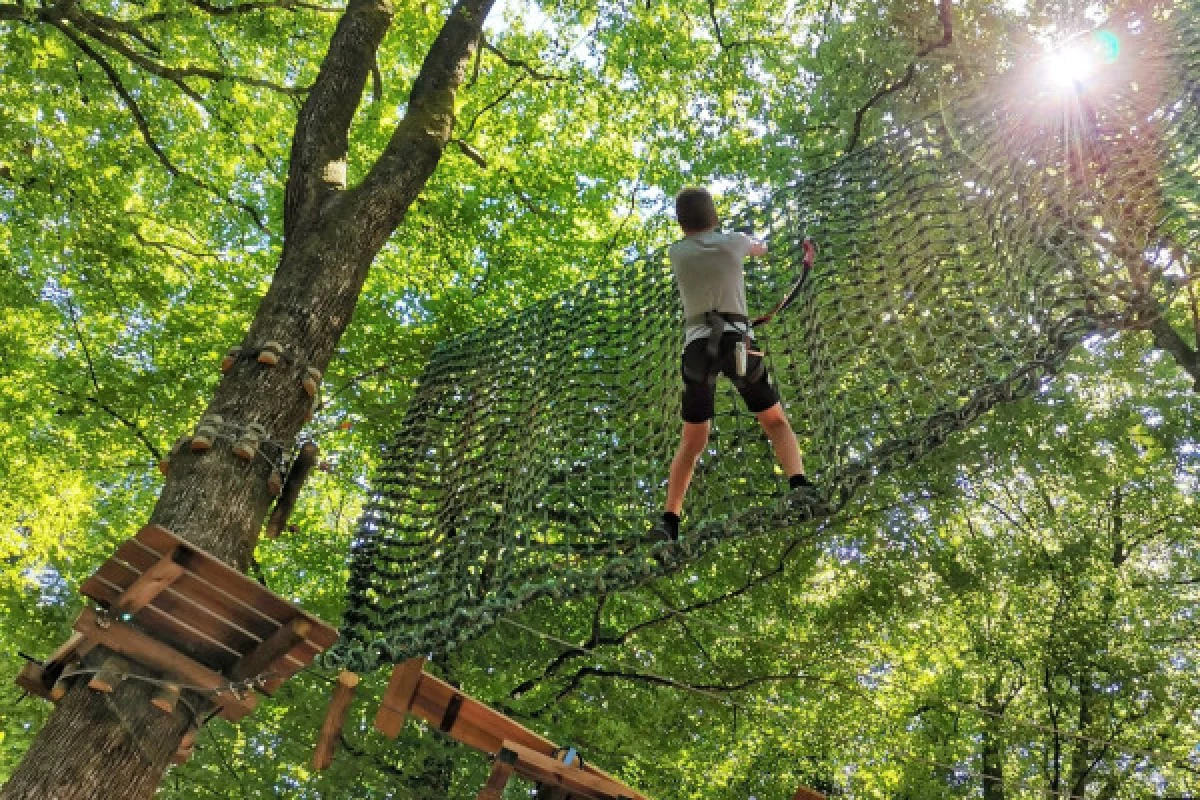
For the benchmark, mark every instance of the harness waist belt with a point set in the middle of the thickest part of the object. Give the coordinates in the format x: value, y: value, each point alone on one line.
x: 729, y: 316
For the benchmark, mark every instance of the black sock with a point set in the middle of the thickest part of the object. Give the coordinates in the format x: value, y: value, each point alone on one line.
x: 798, y: 480
x: 671, y: 521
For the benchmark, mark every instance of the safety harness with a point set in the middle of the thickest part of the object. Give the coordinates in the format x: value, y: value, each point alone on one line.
x: 715, y: 320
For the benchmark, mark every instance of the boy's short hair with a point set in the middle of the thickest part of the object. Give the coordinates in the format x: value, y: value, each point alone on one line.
x: 695, y: 210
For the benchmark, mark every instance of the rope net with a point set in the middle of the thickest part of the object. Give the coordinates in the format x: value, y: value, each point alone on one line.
x: 962, y: 257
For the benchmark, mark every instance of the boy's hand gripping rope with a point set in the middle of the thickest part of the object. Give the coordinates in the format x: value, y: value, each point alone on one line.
x: 806, y: 263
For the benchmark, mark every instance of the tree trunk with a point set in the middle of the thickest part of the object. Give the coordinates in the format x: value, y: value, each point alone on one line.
x: 117, y: 746
x: 98, y: 745
x: 991, y: 747
x: 1082, y: 756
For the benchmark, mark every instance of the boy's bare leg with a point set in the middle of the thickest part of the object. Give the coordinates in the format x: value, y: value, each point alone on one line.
x: 691, y: 445
x: 779, y: 431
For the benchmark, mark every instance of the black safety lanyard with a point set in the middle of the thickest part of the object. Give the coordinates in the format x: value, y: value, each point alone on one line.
x: 806, y: 262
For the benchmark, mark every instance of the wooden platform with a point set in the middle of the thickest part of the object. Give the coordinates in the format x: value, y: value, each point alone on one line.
x: 191, y: 618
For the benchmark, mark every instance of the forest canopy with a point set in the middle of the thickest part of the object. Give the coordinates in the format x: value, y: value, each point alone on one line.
x: 1012, y: 616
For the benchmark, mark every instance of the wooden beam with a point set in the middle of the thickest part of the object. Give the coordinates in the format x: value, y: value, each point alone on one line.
x: 30, y: 679
x: 483, y: 728
x: 502, y: 771
x: 270, y: 650
x: 212, y: 570
x: 305, y: 461
x: 569, y: 757
x: 150, y: 583
x: 335, y: 718
x: 571, y: 779
x: 804, y: 793
x: 398, y: 697
x: 475, y: 725
x: 73, y: 649
x: 139, y: 647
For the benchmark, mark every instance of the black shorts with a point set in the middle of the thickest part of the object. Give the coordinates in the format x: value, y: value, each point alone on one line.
x: 699, y: 395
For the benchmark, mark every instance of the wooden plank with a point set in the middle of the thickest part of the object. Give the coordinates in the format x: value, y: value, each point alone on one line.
x: 398, y: 697
x: 286, y: 667
x: 573, y: 780
x: 198, y: 637
x: 43, y: 680
x: 270, y: 650
x: 216, y: 572
x: 476, y: 725
x: 335, y: 717
x: 804, y: 793
x: 139, y: 647
x: 219, y: 620
x: 151, y: 583
x: 502, y: 771
x: 190, y: 591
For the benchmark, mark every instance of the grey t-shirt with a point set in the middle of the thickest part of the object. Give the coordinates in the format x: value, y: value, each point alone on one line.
x: 708, y: 272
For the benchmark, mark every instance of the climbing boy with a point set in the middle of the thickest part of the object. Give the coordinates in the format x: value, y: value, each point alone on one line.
x: 711, y: 281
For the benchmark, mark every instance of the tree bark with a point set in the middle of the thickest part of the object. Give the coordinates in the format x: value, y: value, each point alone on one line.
x: 991, y: 746
x: 118, y: 746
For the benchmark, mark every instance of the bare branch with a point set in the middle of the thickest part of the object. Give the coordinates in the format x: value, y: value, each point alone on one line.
x: 670, y: 614
x: 672, y: 683
x: 945, y: 16
x: 500, y: 98
x: 126, y: 98
x: 261, y: 5
x: 99, y: 28
x: 727, y: 45
x: 517, y: 63
x: 144, y: 127
x: 471, y: 153
x: 94, y: 399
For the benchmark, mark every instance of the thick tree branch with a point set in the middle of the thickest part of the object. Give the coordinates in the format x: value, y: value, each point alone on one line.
x: 1168, y: 339
x: 668, y: 616
x: 319, y: 148
x: 417, y: 144
x: 945, y: 16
